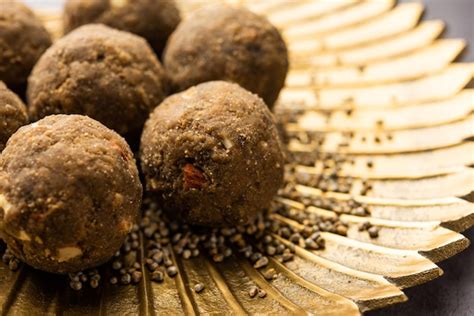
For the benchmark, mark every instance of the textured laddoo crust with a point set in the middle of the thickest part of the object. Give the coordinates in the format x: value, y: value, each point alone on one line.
x: 69, y: 193
x: 154, y: 20
x: 109, y: 75
x: 211, y: 155
x: 12, y: 114
x: 230, y: 43
x: 23, y: 39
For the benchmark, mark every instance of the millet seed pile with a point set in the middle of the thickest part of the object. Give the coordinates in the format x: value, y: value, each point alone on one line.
x: 163, y: 239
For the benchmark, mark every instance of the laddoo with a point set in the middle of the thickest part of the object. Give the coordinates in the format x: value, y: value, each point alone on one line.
x: 23, y: 39
x: 109, y: 75
x: 154, y: 20
x: 12, y: 114
x: 230, y: 43
x: 211, y: 155
x: 69, y: 193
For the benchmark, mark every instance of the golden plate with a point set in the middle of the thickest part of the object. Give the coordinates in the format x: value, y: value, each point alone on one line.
x: 384, y: 92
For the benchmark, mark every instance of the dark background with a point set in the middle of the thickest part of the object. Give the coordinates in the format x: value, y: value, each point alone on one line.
x: 450, y: 294
x: 458, y: 16
x: 453, y: 293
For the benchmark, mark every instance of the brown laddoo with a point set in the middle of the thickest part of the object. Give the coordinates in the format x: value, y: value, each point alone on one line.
x: 154, y: 20
x: 23, y: 39
x: 109, y: 75
x: 69, y: 193
x: 211, y: 155
x: 228, y: 43
x: 12, y: 114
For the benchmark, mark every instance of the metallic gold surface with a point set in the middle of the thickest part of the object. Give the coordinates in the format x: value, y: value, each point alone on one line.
x: 378, y: 63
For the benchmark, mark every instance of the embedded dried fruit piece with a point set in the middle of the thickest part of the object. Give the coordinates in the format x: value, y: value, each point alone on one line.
x: 5, y: 206
x: 193, y: 177
x: 68, y: 253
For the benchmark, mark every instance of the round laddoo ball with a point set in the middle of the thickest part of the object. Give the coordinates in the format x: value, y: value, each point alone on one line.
x: 12, y: 114
x: 69, y: 193
x: 154, y: 20
x: 106, y: 74
x: 228, y: 43
x: 23, y: 39
x: 211, y: 155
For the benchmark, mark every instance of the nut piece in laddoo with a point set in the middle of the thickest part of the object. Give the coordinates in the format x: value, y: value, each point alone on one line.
x: 22, y: 41
x: 228, y: 43
x: 211, y: 155
x: 106, y: 74
x: 12, y: 114
x: 154, y: 20
x: 69, y: 193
